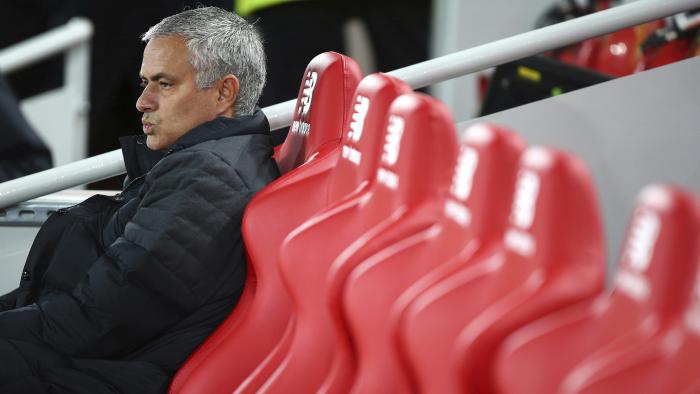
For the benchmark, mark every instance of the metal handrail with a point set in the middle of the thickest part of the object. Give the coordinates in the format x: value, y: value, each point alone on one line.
x: 417, y: 75
x: 73, y: 38
x: 45, y: 45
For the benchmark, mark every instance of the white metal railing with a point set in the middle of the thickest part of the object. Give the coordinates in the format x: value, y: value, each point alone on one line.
x: 417, y: 75
x: 71, y: 35
x: 73, y: 38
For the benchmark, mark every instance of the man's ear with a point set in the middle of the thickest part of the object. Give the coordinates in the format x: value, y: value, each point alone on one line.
x: 228, y: 92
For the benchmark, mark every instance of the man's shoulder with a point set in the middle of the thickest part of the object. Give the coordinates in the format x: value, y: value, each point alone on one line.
x: 246, y: 157
x: 233, y: 149
x: 237, y: 152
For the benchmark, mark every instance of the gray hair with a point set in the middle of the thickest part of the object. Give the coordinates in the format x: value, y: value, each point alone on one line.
x: 220, y: 43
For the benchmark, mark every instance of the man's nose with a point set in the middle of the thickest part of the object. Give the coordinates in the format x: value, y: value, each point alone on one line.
x: 146, y: 102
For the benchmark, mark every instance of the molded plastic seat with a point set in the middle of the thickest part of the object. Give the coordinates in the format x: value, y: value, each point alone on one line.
x: 551, y: 256
x: 625, y: 341
x: 450, y: 226
x: 299, y: 201
x: 331, y: 79
x: 662, y: 354
x: 620, y: 53
x: 663, y: 362
x: 255, y: 326
x: 417, y: 126
x: 683, y: 374
x: 475, y: 218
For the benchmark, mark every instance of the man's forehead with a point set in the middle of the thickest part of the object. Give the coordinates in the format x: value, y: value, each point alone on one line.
x: 165, y: 55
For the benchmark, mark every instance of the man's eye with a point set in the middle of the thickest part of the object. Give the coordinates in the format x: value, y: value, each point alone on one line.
x: 165, y: 84
x: 143, y: 84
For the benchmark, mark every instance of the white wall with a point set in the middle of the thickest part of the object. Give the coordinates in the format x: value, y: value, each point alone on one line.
x: 50, y: 114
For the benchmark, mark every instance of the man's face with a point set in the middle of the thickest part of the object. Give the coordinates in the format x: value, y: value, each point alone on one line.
x: 171, y: 102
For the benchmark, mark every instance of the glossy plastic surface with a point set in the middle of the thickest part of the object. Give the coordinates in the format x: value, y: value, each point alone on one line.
x: 620, y: 336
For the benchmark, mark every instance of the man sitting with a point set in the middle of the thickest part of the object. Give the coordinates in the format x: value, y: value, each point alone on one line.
x: 118, y: 291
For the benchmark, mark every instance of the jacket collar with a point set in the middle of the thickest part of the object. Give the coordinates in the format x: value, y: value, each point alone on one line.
x: 222, y: 127
x: 139, y: 159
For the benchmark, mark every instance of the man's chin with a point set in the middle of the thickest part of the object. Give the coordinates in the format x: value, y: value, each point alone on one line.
x: 152, y: 142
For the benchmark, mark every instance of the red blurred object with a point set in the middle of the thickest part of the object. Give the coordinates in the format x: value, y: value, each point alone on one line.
x: 483, y: 83
x: 671, y: 52
x: 626, y: 51
x: 549, y: 257
x: 583, y: 54
x: 627, y: 341
x: 446, y: 230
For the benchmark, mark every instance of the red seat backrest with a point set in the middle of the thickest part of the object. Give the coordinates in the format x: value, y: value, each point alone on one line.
x: 644, y: 358
x: 297, y: 202
x: 361, y: 146
x: 308, y: 254
x: 658, y: 264
x: 554, y: 257
x: 321, y: 109
x: 683, y: 375
x: 473, y: 219
x: 342, y: 367
x: 255, y: 326
x: 444, y: 227
x: 551, y: 256
x: 628, y: 363
x: 652, y: 288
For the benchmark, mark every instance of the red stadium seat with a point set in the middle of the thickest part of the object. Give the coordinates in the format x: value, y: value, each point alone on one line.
x: 339, y: 180
x: 550, y: 256
x: 449, y: 226
x: 473, y: 219
x: 417, y: 126
x: 683, y: 374
x: 622, y: 53
x: 656, y: 362
x: 331, y: 79
x: 257, y: 323
x: 622, y: 341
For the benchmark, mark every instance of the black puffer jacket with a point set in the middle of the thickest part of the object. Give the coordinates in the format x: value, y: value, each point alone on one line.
x: 118, y: 291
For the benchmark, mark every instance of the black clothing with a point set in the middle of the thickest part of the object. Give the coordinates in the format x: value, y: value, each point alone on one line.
x: 22, y: 152
x: 118, y: 291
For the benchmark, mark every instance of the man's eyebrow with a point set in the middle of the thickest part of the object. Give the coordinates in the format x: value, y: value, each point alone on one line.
x: 157, y: 76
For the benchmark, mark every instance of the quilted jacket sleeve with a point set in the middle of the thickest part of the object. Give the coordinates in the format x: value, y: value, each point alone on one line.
x: 173, y: 257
